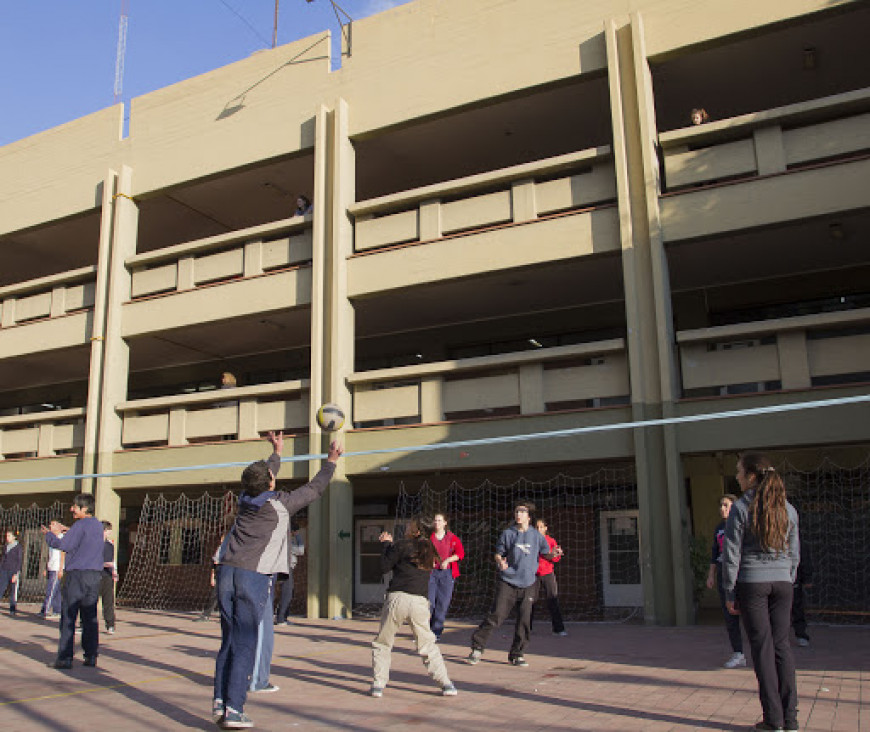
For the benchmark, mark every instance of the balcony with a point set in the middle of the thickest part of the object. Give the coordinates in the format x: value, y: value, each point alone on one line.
x: 243, y: 413
x: 788, y: 353
x: 532, y: 382
x: 42, y: 434
x: 254, y: 270
x: 48, y: 313
x: 793, y: 162
x: 568, y: 197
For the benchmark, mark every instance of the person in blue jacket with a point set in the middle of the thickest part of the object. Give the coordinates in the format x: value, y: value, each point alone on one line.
x: 10, y: 570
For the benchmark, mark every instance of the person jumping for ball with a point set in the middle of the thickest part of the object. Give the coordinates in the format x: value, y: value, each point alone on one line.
x: 256, y: 548
x: 516, y: 555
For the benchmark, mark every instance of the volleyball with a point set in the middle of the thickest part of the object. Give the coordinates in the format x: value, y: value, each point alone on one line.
x: 330, y: 417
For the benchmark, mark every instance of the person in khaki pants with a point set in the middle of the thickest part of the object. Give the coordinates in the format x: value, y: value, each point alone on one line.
x: 411, y: 561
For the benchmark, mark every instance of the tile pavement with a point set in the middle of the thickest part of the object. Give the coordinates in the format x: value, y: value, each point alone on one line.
x: 155, y: 673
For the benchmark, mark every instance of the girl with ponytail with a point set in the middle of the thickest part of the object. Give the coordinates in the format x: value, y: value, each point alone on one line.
x: 759, y: 561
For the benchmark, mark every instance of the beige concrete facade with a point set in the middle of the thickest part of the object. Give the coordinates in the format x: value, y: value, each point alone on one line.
x: 515, y: 230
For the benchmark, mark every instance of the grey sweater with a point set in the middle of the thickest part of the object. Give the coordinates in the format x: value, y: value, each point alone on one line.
x: 744, y: 560
x: 258, y: 538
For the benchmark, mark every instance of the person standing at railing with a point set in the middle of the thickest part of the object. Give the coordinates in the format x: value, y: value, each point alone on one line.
x: 699, y: 116
x: 10, y: 570
x: 303, y: 205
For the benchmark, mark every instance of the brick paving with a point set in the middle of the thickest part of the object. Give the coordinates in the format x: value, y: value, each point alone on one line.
x: 156, y: 673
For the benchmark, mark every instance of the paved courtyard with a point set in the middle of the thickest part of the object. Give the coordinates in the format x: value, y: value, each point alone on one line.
x: 156, y: 673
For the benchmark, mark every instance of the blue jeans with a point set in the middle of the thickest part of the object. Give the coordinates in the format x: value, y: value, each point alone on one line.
x: 6, y: 581
x: 242, y: 598
x: 79, y: 591
x: 52, y: 593
x: 440, y: 595
x: 265, y: 646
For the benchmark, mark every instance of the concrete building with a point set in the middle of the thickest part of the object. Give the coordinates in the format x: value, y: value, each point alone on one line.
x: 516, y: 229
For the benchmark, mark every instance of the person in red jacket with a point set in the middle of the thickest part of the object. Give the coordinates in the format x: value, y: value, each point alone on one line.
x: 547, y: 580
x: 449, y: 553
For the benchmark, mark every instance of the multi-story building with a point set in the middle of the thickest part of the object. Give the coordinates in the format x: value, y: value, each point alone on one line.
x: 516, y: 229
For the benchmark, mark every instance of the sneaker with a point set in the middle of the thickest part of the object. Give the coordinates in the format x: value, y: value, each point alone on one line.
x: 474, y: 657
x: 376, y: 691
x: 201, y: 619
x: 767, y: 726
x: 217, y: 710
x: 78, y: 631
x: 267, y: 689
x: 737, y: 659
x: 562, y: 633
x: 518, y: 661
x: 90, y: 661
x: 111, y: 630
x: 803, y: 642
x: 236, y: 720
x: 288, y: 622
x: 448, y: 690
x: 62, y: 663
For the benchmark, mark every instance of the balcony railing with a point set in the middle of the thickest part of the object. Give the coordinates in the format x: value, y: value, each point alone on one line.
x: 48, y: 297
x: 768, y: 142
x: 786, y: 353
x: 531, y: 382
x: 511, y: 195
x: 242, y: 413
x: 238, y: 254
x: 42, y: 434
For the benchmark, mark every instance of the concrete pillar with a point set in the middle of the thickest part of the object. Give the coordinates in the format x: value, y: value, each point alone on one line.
x: 524, y: 206
x: 532, y: 389
x: 339, y: 342
x: 769, y: 150
x: 666, y: 569
x: 430, y: 220
x: 794, y: 360
x: 116, y: 363
x: 318, y: 546
x: 98, y: 331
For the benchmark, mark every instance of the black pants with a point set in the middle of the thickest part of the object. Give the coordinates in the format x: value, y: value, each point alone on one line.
x: 107, y: 595
x: 550, y: 590
x: 766, y: 611
x: 798, y: 614
x: 286, y: 598
x: 732, y: 622
x: 506, y: 598
x: 79, y: 593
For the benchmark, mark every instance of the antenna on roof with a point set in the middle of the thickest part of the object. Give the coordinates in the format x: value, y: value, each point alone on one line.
x: 122, y: 50
x: 346, y: 28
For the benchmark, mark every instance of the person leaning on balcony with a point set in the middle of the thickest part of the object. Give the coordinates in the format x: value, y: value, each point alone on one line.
x: 699, y: 116
x: 255, y: 549
x: 303, y: 205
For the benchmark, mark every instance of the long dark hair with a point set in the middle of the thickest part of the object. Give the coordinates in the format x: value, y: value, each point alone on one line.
x: 423, y: 550
x: 768, y: 515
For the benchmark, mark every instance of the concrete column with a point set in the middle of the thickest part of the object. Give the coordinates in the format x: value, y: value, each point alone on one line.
x: 666, y: 569
x: 116, y: 363
x: 794, y: 361
x: 430, y: 220
x: 523, y: 203
x: 532, y: 389
x: 58, y: 302
x: 8, y: 317
x: 769, y: 150
x: 44, y: 440
x: 248, y: 419
x: 253, y: 258
x: 186, y: 279
x: 339, y: 363
x: 432, y: 400
x: 177, y: 426
x: 318, y: 546
x: 98, y: 331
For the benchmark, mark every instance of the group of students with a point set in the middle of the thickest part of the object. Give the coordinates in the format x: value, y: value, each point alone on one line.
x: 12, y: 560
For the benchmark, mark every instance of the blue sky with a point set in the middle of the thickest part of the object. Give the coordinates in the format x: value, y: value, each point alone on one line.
x: 58, y: 56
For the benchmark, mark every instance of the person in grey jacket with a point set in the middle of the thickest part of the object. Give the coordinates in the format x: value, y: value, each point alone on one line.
x: 760, y: 558
x: 253, y: 551
x: 516, y: 555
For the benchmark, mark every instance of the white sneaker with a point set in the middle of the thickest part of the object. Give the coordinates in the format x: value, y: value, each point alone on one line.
x: 737, y: 659
x: 803, y: 642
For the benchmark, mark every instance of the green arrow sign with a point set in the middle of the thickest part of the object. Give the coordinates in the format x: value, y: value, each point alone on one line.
x: 344, y: 534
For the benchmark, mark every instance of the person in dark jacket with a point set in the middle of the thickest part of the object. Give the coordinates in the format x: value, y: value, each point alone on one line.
x: 411, y: 561
x: 109, y: 578
x: 803, y: 581
x: 80, y: 590
x: 10, y: 570
x: 254, y: 550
